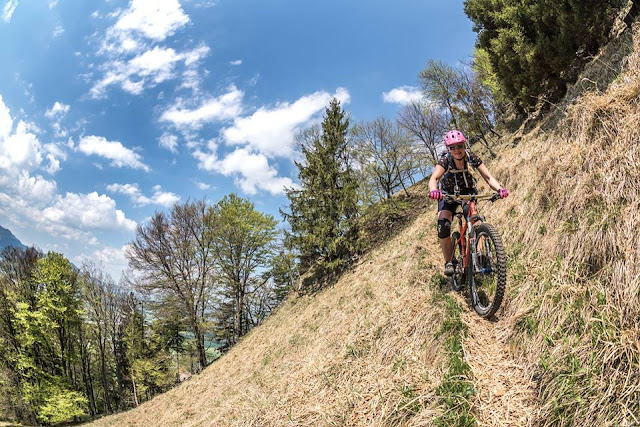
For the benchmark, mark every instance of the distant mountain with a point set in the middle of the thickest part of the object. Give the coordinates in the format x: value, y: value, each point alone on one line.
x: 8, y: 239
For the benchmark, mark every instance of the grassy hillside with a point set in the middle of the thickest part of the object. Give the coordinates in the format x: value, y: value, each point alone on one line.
x: 388, y: 344
x: 364, y: 351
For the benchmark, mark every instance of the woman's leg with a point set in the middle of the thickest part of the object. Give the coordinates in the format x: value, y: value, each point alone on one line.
x: 444, y: 233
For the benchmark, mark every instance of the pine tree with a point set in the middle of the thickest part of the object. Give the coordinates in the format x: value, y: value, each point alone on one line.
x: 537, y: 47
x: 323, y: 209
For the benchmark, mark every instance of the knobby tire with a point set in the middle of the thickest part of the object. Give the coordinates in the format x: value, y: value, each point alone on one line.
x: 489, y: 310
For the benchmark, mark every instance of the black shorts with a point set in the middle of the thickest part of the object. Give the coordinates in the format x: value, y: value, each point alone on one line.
x: 452, y: 206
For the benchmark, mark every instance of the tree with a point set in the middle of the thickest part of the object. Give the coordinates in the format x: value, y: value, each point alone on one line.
x: 173, y: 255
x: 323, y: 209
x: 242, y: 243
x: 536, y: 48
x: 385, y: 157
x: 426, y: 124
x: 467, y: 101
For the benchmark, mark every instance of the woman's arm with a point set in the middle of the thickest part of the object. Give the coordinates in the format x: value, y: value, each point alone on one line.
x: 493, y: 183
x: 437, y: 173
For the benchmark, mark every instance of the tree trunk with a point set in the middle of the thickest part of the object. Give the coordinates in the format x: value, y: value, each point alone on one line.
x: 135, y: 390
x: 199, y: 336
x: 105, y: 387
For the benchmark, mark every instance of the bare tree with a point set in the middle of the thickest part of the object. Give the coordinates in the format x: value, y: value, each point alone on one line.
x: 425, y: 123
x: 385, y: 156
x: 173, y: 255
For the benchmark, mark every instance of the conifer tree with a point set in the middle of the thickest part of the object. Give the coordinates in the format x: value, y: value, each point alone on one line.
x: 537, y: 47
x: 323, y: 209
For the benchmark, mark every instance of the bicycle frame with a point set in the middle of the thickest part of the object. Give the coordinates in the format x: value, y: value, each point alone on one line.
x: 467, y: 233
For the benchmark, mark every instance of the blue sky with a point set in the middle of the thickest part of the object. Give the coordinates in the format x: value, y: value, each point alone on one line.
x: 111, y: 110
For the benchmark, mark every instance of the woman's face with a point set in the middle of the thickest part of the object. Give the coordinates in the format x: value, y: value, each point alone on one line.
x: 457, y: 151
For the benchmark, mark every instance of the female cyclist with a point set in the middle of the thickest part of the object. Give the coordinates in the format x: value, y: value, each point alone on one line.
x: 452, y: 176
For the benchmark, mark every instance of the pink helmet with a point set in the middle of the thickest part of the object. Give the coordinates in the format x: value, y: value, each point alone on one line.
x: 454, y: 137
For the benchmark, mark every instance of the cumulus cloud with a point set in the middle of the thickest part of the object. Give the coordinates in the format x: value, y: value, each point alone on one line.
x: 270, y: 131
x: 154, y: 20
x: 29, y: 200
x: 88, y: 212
x: 20, y: 150
x: 162, y: 198
x: 58, y: 110
x: 403, y: 95
x: 236, y: 62
x: 203, y: 186
x: 9, y: 8
x: 251, y: 170
x: 146, y: 70
x: 169, y: 141
x: 224, y: 107
x: 119, y: 155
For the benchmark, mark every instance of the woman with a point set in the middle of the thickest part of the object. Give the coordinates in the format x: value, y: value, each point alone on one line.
x: 452, y: 176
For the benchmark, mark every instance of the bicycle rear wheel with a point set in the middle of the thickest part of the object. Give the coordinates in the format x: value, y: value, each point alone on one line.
x: 458, y: 278
x: 489, y: 271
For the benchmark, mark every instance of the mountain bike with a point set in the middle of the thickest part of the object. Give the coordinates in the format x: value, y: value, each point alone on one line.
x: 479, y: 258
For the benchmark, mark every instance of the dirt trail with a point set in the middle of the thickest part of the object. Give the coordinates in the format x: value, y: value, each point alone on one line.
x: 505, y: 395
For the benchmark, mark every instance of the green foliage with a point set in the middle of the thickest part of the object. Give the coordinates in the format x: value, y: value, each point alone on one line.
x: 61, y: 405
x: 323, y: 210
x: 537, y: 48
x: 243, y: 243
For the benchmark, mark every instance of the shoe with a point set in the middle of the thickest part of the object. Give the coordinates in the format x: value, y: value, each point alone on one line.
x: 448, y: 269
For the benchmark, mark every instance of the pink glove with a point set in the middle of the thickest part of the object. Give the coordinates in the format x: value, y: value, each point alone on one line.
x: 435, y: 195
x: 503, y: 192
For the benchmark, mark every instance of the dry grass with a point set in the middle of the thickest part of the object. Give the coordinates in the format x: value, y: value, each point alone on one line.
x: 565, y: 351
x: 362, y: 352
x: 571, y: 229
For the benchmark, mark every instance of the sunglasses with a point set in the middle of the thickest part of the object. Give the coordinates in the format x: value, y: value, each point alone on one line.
x: 456, y: 147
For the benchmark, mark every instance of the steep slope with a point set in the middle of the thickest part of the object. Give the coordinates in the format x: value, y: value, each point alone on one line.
x: 360, y: 352
x: 571, y: 232
x: 389, y: 345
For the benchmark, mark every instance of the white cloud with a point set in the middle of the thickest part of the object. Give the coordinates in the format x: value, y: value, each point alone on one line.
x: 6, y: 122
x: 203, y: 186
x: 162, y: 198
x: 169, y: 141
x: 54, y: 164
x: 113, y: 260
x: 119, y: 155
x: 225, y: 107
x: 155, y: 20
x: 87, y: 212
x: 52, y: 3
x: 236, y: 62
x: 403, y: 95
x: 251, y: 170
x: 33, y: 189
x: 27, y: 200
x: 59, y: 109
x: 271, y: 131
x: 9, y: 8
x: 148, y: 69
x: 20, y: 150
x: 58, y: 31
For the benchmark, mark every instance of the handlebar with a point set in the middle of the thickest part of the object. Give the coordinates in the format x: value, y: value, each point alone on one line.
x: 471, y: 197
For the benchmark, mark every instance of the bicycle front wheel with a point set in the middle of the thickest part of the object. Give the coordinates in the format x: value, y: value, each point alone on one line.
x: 489, y: 271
